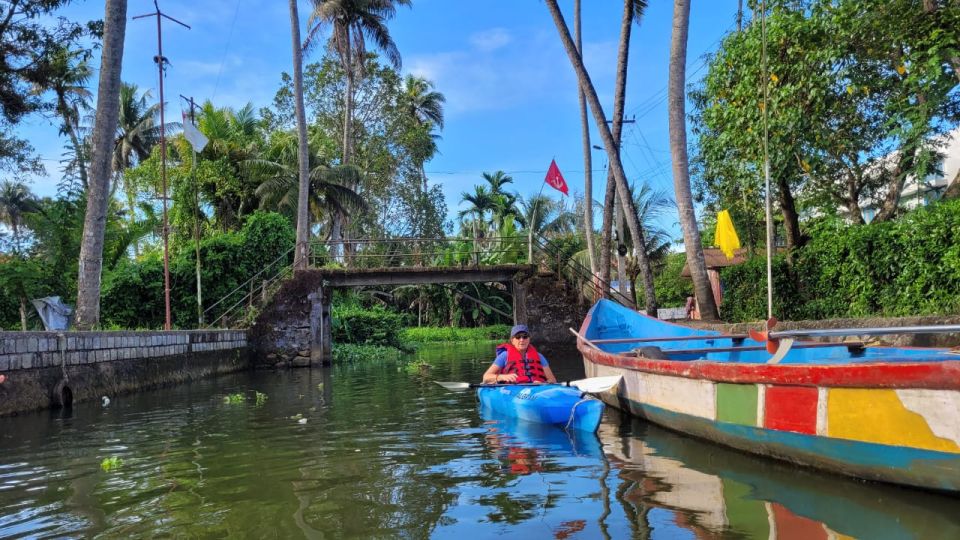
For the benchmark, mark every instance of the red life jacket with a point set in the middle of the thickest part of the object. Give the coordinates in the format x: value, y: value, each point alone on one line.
x: 528, y: 369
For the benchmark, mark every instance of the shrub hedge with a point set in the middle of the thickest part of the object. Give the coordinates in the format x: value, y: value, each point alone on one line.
x: 910, y: 266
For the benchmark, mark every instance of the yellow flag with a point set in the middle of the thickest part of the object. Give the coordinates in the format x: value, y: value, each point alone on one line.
x: 726, y: 236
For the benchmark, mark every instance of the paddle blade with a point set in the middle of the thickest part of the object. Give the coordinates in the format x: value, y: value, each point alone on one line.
x: 595, y: 385
x: 456, y: 386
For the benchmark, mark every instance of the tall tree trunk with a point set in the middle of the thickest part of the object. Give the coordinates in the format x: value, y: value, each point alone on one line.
x: 627, y: 208
x: 301, y: 256
x: 791, y: 218
x: 610, y: 145
x: 104, y: 130
x: 587, y: 157
x: 70, y: 124
x: 347, y: 105
x: 681, y: 168
x: 23, y: 313
x: 609, y: 200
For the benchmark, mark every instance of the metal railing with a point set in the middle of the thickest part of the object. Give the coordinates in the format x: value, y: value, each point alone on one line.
x: 591, y: 286
x: 241, y: 303
x: 418, y: 252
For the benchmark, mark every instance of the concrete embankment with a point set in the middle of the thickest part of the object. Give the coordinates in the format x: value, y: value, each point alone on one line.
x: 51, y: 369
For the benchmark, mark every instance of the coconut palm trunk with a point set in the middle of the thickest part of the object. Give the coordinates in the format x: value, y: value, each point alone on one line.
x: 104, y: 131
x: 611, y: 147
x: 681, y: 169
x: 302, y: 253
x: 587, y: 157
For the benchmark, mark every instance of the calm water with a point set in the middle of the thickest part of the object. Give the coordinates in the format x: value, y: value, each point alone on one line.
x: 386, y: 453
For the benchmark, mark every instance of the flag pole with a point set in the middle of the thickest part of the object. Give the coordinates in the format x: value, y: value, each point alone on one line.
x: 533, y: 212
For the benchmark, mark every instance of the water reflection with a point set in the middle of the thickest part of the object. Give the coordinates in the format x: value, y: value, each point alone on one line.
x: 673, y: 483
x: 386, y: 453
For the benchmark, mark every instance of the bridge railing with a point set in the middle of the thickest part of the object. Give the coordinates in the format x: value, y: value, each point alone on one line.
x: 419, y: 252
x: 553, y: 255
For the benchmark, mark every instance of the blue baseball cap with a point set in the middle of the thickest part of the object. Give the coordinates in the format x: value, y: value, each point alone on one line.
x: 518, y: 329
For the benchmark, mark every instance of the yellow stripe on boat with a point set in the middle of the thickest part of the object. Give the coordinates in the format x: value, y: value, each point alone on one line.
x: 879, y: 416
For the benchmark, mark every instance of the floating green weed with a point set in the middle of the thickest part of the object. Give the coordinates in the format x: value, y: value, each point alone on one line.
x: 261, y: 398
x: 111, y: 463
x: 234, y: 399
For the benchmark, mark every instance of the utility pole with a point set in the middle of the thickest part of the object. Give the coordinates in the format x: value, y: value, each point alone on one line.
x: 196, y: 207
x: 161, y: 64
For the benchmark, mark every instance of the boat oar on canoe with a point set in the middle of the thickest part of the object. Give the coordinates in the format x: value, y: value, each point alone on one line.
x: 592, y: 385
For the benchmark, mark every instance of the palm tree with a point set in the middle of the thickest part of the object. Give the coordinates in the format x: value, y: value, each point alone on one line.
x: 302, y: 251
x: 352, y: 23
x: 233, y: 138
x: 15, y: 201
x: 424, y: 106
x: 98, y: 190
x: 610, y: 145
x: 69, y: 72
x: 328, y: 192
x: 650, y: 204
x: 547, y: 217
x: 681, y: 169
x: 137, y: 133
x: 587, y: 156
x: 480, y: 202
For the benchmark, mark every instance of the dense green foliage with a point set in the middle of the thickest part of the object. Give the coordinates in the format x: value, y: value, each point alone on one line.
x: 847, y: 82
x: 672, y: 288
x: 133, y: 293
x: 374, y: 326
x: 906, y: 267
x: 429, y: 334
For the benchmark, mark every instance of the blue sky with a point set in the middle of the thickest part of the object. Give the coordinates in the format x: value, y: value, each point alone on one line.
x: 511, y: 92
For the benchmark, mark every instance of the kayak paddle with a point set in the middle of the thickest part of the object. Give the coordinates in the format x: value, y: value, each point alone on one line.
x: 592, y: 385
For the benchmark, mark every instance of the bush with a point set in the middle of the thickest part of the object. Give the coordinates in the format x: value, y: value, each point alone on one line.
x: 133, y: 293
x: 374, y: 326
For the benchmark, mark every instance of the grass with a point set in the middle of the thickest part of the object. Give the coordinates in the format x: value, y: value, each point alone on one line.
x: 433, y: 334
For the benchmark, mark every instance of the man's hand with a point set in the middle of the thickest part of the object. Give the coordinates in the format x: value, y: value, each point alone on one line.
x: 507, y: 377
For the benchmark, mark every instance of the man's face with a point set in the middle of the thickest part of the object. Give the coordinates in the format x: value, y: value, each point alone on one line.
x: 521, y: 341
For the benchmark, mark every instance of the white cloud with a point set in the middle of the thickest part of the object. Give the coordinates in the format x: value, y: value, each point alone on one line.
x: 520, y: 72
x: 490, y: 40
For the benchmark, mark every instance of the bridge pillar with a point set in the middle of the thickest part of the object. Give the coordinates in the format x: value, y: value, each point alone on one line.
x: 321, y: 330
x: 519, y: 291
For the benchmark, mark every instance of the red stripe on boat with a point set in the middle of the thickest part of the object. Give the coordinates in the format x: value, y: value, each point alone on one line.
x: 791, y: 408
x: 936, y: 375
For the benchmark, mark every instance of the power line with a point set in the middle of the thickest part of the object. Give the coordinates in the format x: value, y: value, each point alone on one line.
x: 226, y: 48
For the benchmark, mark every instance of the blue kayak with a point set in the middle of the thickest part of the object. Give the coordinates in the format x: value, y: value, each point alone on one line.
x: 565, y: 406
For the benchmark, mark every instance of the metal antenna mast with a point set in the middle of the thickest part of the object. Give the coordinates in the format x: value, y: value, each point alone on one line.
x: 161, y: 64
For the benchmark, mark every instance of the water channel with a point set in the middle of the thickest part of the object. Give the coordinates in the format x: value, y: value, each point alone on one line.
x: 377, y: 451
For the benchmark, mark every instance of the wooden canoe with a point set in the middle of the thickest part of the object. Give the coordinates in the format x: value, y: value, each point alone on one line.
x: 877, y: 413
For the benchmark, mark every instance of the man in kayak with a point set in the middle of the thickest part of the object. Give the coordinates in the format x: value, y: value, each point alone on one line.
x: 518, y: 362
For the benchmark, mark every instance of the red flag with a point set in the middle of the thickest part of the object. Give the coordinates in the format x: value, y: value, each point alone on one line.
x: 554, y: 179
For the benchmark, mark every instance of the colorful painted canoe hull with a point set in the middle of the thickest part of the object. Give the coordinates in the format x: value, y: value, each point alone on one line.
x: 543, y: 403
x: 896, y: 421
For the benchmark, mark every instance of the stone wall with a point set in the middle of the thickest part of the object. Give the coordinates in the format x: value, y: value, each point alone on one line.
x: 550, y: 307
x: 44, y: 369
